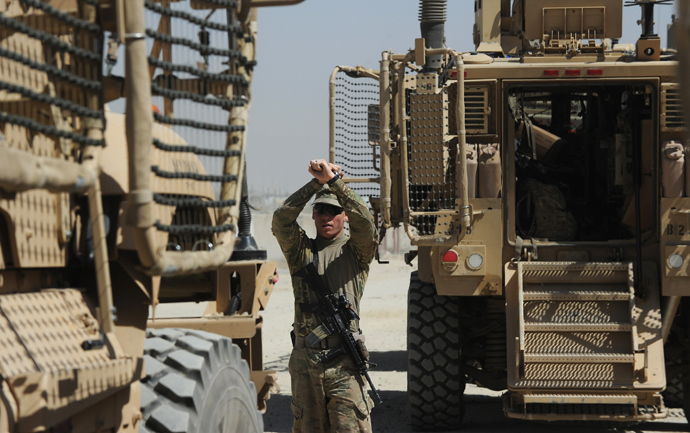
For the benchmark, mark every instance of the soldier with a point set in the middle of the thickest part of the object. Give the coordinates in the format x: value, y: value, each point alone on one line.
x: 327, y: 397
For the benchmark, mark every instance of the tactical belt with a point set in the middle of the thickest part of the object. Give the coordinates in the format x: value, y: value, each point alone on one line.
x: 331, y: 342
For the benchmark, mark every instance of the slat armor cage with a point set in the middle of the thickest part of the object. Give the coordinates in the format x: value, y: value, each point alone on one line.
x: 192, y: 70
x: 356, y: 132
x: 430, y: 144
x: 51, y: 118
x: 56, y: 356
x: 432, y: 154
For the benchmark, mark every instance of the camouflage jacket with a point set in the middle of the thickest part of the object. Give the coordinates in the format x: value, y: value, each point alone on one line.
x: 343, y: 262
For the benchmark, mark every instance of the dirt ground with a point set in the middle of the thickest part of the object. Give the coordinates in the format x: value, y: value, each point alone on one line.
x: 384, y: 317
x: 384, y: 312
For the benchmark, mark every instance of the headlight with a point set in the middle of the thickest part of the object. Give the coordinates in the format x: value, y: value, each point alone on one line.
x: 475, y: 261
x: 675, y: 261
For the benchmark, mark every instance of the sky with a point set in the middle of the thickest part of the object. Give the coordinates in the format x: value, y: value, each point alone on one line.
x: 297, y: 48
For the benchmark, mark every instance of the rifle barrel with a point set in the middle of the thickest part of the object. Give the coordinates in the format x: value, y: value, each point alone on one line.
x: 373, y: 388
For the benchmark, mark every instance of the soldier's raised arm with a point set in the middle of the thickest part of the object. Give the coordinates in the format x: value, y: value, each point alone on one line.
x: 292, y: 239
x: 363, y: 234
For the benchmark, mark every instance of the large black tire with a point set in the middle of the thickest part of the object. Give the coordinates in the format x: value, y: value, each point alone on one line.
x: 677, y: 355
x: 675, y: 377
x: 196, y: 382
x: 435, y: 384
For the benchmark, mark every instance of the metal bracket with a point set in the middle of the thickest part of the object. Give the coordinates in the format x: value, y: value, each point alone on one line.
x: 534, y: 254
x: 675, y: 211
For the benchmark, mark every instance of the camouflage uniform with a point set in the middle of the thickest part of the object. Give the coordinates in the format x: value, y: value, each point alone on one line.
x: 327, y: 397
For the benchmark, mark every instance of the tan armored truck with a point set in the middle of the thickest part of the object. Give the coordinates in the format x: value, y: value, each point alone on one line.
x: 544, y: 181
x: 103, y: 216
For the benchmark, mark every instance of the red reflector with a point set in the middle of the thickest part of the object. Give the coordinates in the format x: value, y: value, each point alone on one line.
x: 551, y: 72
x: 454, y: 74
x: 450, y: 256
x: 275, y: 276
x: 572, y: 72
x: 595, y: 72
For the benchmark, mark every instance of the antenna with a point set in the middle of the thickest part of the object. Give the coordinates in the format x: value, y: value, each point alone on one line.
x: 647, y: 14
x: 649, y: 44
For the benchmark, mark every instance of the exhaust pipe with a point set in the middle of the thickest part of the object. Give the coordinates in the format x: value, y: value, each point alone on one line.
x: 432, y: 19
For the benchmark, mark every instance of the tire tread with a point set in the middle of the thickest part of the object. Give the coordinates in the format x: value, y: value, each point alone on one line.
x: 181, y: 366
x: 435, y: 387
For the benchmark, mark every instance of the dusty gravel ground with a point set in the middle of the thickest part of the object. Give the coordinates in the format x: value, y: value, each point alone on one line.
x: 384, y: 316
x: 384, y: 311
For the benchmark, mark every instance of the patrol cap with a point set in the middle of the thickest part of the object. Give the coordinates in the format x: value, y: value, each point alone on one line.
x: 326, y: 196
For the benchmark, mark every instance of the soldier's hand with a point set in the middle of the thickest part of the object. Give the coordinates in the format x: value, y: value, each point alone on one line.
x: 323, y: 170
x: 336, y: 169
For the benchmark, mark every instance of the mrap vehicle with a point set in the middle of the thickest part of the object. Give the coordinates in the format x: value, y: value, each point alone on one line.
x: 105, y: 215
x: 543, y: 179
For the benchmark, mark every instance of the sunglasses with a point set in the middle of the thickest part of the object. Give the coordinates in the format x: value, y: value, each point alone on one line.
x: 323, y: 209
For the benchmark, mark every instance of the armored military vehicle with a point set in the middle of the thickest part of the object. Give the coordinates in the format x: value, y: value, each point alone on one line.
x: 543, y: 179
x: 103, y: 216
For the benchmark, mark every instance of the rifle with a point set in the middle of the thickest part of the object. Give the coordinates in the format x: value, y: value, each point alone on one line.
x: 337, y: 314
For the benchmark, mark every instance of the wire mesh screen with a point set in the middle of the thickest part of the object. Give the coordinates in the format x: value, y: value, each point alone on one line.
x: 194, y: 59
x: 357, y: 131
x: 432, y: 184
x: 50, y: 67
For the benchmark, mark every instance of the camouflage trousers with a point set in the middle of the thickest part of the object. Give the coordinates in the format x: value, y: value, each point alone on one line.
x: 327, y: 397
